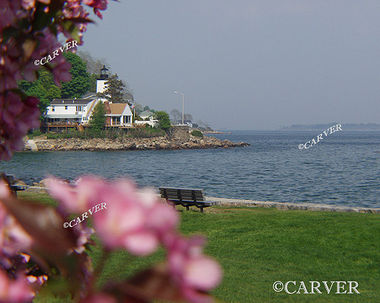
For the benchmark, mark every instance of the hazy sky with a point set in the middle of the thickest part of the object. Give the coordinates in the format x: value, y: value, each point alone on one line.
x: 247, y: 64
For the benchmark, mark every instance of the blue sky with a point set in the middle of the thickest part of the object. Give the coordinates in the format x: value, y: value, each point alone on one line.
x: 247, y: 64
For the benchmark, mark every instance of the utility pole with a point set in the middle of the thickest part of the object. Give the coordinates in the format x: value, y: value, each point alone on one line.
x: 183, y: 105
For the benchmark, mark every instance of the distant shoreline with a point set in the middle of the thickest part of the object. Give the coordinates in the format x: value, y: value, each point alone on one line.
x: 345, y: 126
x: 319, y: 129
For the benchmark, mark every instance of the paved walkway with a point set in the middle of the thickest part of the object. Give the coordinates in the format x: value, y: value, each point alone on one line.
x: 269, y: 204
x: 289, y: 206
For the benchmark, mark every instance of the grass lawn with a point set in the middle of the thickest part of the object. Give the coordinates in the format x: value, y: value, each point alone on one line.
x: 258, y: 246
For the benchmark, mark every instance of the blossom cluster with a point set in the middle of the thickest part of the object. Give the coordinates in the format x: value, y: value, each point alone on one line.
x: 14, y: 285
x: 139, y: 222
x: 29, y: 31
x: 136, y: 221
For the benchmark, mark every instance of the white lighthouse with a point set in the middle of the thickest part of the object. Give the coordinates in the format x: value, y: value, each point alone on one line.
x: 101, y: 81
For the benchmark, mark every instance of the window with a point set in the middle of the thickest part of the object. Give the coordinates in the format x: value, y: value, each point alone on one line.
x: 53, y: 108
x: 115, y: 120
x: 66, y: 107
x: 126, y: 119
x: 79, y: 108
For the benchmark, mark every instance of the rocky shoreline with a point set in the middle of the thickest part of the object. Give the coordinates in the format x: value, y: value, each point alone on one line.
x: 155, y: 143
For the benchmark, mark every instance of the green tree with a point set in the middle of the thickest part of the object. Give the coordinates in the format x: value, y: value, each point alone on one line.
x: 116, y: 91
x: 43, y: 88
x: 98, y: 118
x: 163, y: 120
x: 80, y: 79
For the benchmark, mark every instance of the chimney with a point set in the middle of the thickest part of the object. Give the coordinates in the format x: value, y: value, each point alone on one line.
x: 107, y: 107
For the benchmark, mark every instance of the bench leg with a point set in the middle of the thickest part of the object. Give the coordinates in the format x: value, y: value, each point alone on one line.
x: 170, y: 203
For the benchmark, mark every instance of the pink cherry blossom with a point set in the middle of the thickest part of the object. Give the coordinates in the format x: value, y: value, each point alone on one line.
x: 28, y: 4
x: 16, y: 118
x: 9, y: 11
x: 134, y: 220
x: 9, y: 73
x: 66, y: 194
x: 193, y: 271
x: 14, y: 291
x: 84, y: 237
x: 12, y: 237
x: 75, y: 198
x: 162, y: 218
x: 202, y: 273
x: 124, y: 223
x: 97, y: 5
x: 61, y: 71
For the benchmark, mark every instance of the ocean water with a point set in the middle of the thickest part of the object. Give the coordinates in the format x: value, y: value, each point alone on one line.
x: 342, y: 169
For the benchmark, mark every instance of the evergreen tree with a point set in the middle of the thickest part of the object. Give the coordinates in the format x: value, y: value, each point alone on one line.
x: 116, y: 91
x: 43, y: 88
x: 80, y: 79
x: 98, y: 118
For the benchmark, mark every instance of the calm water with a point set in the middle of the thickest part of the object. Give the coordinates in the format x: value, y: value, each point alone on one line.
x: 342, y: 169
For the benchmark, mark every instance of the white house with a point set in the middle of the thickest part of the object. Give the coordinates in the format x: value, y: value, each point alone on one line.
x: 118, y: 114
x: 152, y: 123
x: 146, y: 114
x: 148, y: 119
x: 70, y: 110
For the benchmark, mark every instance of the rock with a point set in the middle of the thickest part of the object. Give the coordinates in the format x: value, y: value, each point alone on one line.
x: 42, y: 183
x: 20, y: 183
x: 178, y: 140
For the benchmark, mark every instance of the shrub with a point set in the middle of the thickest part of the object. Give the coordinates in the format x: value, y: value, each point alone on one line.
x: 197, y: 133
x: 163, y: 120
x: 87, y: 134
x: 34, y: 133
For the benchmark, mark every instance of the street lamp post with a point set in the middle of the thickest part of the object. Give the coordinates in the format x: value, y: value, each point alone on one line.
x: 183, y: 105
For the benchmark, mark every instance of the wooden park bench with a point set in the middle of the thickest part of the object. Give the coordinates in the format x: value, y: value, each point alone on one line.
x: 11, y: 180
x: 186, y: 197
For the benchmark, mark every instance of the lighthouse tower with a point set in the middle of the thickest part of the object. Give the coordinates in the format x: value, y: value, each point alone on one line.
x: 102, y: 79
